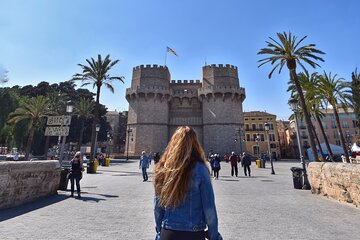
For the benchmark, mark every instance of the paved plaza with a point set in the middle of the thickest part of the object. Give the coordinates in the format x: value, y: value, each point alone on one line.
x: 117, y: 204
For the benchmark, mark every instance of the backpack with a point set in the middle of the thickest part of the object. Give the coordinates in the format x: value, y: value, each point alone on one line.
x: 216, y: 164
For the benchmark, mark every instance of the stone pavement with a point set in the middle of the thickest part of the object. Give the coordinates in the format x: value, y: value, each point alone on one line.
x: 116, y: 204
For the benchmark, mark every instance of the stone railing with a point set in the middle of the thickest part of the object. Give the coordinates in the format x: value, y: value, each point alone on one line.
x: 22, y: 182
x: 340, y: 181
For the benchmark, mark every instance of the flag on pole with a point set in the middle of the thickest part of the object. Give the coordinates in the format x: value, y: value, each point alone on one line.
x: 172, y: 51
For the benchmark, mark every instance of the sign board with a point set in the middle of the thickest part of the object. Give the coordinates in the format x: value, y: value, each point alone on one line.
x: 58, y: 120
x: 57, y: 131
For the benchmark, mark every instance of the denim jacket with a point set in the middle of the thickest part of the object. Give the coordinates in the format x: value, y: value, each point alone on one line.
x: 144, y: 162
x: 196, y: 211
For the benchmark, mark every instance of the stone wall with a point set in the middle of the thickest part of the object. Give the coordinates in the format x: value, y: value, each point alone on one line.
x: 22, y: 182
x: 340, y: 181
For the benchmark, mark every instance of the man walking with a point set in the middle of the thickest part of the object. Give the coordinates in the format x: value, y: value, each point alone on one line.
x: 233, y: 161
x: 144, y: 164
x: 245, y: 163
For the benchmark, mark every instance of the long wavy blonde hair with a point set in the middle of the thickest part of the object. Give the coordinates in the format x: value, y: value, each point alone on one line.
x: 174, y: 170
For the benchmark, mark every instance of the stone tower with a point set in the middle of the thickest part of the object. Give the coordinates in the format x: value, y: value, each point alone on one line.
x: 148, y: 109
x: 158, y: 105
x: 222, y: 99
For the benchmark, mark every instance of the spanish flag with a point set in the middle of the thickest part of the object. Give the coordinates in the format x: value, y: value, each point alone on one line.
x: 172, y: 51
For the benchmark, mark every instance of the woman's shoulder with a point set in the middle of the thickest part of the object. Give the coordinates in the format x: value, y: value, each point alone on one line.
x: 201, y: 168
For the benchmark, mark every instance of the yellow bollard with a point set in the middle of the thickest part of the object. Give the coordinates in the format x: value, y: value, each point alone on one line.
x: 107, y: 162
x: 96, y: 164
x: 258, y: 164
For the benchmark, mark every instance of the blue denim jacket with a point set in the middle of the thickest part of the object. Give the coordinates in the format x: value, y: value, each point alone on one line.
x: 196, y: 212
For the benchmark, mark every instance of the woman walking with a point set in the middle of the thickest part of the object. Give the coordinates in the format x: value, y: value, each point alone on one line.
x: 76, y: 173
x: 184, y: 197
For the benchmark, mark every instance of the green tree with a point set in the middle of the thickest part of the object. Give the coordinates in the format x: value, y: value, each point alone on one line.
x: 355, y: 87
x: 335, y: 92
x: 97, y: 75
x: 288, y: 52
x: 83, y: 110
x: 33, y: 110
x: 309, y: 85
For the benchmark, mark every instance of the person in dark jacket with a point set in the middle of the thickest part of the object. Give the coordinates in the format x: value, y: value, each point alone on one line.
x: 245, y: 163
x: 76, y: 173
x: 216, y: 166
x: 233, y: 161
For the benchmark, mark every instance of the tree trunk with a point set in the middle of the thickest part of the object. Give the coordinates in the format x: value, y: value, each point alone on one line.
x: 325, y: 138
x: 29, y: 142
x: 342, y: 139
x: 318, y: 143
x: 81, y: 132
x: 46, y: 147
x: 93, y: 127
x: 293, y: 76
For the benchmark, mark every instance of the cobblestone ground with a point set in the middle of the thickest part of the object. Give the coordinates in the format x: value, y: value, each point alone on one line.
x: 117, y: 204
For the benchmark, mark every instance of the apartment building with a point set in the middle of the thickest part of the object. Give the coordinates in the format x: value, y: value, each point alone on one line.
x: 257, y: 138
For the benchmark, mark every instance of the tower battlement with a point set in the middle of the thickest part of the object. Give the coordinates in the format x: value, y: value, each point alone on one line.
x: 150, y: 66
x: 220, y: 66
x: 181, y: 82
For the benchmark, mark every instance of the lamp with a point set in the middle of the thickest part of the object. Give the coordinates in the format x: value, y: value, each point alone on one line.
x: 267, y: 128
x: 294, y: 107
x: 129, y: 130
x: 97, y: 129
x: 69, y: 109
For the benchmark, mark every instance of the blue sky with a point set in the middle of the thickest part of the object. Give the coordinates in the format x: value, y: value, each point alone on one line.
x: 44, y: 40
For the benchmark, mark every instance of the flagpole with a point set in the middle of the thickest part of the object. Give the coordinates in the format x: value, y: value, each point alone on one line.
x: 166, y: 56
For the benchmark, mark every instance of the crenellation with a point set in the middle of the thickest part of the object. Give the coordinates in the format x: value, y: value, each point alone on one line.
x: 191, y: 81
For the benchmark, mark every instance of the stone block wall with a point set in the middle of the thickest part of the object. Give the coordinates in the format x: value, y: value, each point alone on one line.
x: 339, y: 181
x: 22, y: 182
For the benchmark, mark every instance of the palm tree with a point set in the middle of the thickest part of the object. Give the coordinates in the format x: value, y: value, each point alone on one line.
x: 336, y: 92
x: 288, y: 52
x: 309, y: 84
x: 83, y: 110
x: 33, y: 109
x: 355, y: 86
x: 97, y: 74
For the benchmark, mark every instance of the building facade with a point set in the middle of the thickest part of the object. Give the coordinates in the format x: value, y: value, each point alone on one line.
x: 287, y: 140
x: 257, y: 138
x: 116, y: 136
x: 348, y: 125
x: 158, y: 105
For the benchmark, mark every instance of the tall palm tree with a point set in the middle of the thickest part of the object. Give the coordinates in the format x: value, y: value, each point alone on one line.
x: 83, y: 110
x: 288, y: 52
x: 97, y: 74
x: 309, y: 84
x: 33, y: 109
x: 355, y: 86
x: 336, y: 92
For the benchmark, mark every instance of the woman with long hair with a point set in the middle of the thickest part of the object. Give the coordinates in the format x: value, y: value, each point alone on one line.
x: 184, y: 197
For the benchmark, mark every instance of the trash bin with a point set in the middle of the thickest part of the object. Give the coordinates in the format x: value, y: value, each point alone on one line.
x: 258, y: 163
x: 90, y: 167
x: 297, y: 177
x: 96, y: 164
x: 64, y: 179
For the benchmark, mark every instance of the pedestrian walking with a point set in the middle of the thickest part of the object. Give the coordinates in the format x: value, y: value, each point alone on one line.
x: 184, y: 196
x: 245, y: 163
x: 226, y: 158
x: 216, y: 166
x: 76, y: 173
x: 234, y: 161
x: 156, y: 158
x: 144, y: 164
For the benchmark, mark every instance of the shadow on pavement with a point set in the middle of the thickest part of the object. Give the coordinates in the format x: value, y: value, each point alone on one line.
x: 31, y: 206
x: 90, y: 199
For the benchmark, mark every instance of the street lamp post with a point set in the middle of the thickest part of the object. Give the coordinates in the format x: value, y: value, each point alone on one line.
x: 97, y: 128
x: 294, y: 107
x: 69, y: 109
x: 129, y: 130
x: 267, y: 128
x: 257, y: 139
